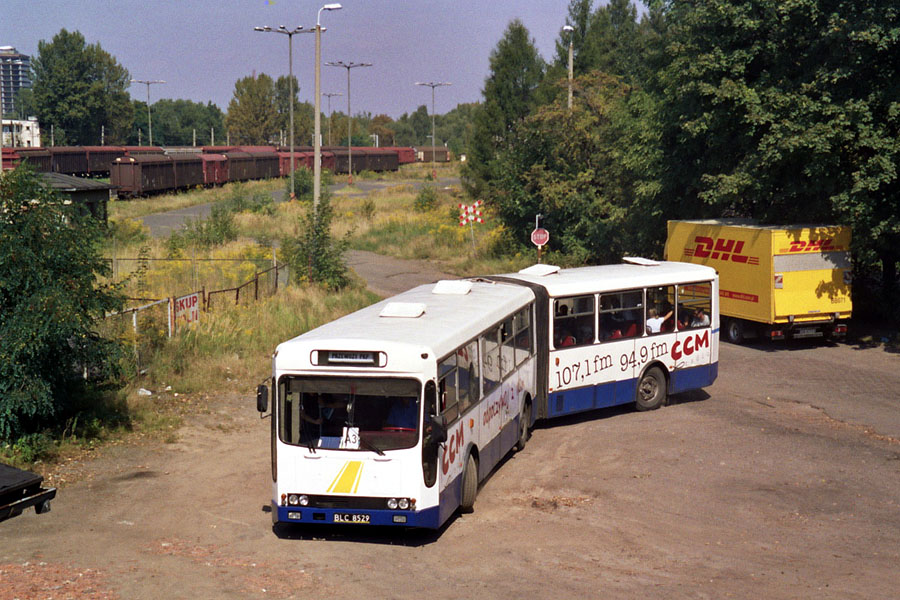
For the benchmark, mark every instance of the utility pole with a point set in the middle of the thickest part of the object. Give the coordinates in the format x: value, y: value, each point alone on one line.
x: 432, y: 85
x: 149, y: 122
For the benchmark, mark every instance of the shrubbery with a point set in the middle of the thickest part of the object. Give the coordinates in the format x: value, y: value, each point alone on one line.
x: 50, y: 302
x: 314, y: 255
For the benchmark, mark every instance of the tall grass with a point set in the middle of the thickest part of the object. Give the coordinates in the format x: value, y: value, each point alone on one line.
x: 140, y: 207
x: 227, y: 348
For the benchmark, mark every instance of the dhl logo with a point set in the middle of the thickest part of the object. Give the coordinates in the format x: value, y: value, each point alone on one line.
x: 720, y: 249
x: 824, y: 245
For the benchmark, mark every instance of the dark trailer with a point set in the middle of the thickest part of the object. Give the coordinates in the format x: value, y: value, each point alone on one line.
x: 20, y: 490
x: 143, y: 174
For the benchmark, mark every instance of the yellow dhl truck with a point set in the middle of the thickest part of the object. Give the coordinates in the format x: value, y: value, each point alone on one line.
x: 774, y: 281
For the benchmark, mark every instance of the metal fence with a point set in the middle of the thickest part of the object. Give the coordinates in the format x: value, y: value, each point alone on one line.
x: 263, y: 285
x: 147, y: 326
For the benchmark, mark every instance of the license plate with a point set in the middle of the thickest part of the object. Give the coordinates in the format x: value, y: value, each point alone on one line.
x: 348, y: 518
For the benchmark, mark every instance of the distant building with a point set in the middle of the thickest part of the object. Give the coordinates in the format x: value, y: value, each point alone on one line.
x: 15, y: 74
x: 91, y: 197
x: 21, y: 134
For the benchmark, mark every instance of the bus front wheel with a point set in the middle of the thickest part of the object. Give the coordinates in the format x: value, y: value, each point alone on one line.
x: 469, y: 486
x: 651, y: 390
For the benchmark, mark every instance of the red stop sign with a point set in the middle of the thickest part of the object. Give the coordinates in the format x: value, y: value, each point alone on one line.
x: 540, y: 237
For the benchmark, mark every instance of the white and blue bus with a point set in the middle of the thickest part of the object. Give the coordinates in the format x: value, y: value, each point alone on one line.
x: 394, y: 414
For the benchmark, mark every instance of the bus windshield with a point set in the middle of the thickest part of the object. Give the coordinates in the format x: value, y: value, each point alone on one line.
x: 349, y: 413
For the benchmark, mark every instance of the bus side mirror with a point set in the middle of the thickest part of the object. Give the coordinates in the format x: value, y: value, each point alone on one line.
x: 262, y: 398
x: 437, y: 430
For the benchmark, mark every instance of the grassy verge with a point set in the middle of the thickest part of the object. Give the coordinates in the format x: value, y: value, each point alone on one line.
x: 140, y: 207
x: 229, y: 349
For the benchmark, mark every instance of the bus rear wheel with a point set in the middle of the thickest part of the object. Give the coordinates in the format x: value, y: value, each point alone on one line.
x: 524, y: 424
x: 469, y: 486
x: 651, y: 390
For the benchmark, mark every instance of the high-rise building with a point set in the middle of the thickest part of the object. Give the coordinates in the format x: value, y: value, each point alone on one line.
x: 15, y: 74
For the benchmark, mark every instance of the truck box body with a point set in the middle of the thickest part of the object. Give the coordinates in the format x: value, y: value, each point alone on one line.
x: 789, y: 281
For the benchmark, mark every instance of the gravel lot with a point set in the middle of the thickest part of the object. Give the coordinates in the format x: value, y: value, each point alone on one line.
x: 779, y: 481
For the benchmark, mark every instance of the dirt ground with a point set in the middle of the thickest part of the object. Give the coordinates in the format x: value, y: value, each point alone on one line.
x: 779, y: 481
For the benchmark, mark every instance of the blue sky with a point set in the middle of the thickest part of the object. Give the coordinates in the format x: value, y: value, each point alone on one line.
x: 201, y: 47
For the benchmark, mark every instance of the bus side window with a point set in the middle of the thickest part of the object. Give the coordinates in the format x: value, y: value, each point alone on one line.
x: 661, y: 309
x: 573, y: 324
x: 621, y: 315
x: 490, y: 359
x: 507, y: 348
x: 469, y: 381
x: 522, y: 323
x: 694, y: 305
x: 448, y: 386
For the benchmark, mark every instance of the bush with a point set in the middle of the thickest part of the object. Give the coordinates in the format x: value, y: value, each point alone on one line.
x: 50, y: 302
x: 128, y: 231
x: 426, y: 199
x: 218, y: 229
x: 313, y: 255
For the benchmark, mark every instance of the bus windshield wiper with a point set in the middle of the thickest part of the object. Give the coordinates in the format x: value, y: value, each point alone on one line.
x: 370, y: 446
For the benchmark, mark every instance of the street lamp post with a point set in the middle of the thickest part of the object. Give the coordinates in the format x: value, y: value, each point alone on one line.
x: 348, y: 66
x: 290, y: 33
x: 317, y: 142
x: 148, y: 82
x: 570, y: 30
x: 330, y: 95
x: 432, y: 85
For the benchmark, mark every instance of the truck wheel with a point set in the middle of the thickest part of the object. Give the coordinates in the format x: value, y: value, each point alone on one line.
x: 469, y: 486
x: 651, y: 390
x: 734, y: 331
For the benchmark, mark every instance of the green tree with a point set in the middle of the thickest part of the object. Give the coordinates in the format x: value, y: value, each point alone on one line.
x: 252, y: 116
x: 313, y: 255
x: 79, y: 89
x: 304, y: 113
x: 24, y: 102
x: 413, y: 128
x: 382, y: 127
x: 566, y: 165
x: 50, y: 301
x: 176, y: 121
x: 786, y: 112
x: 457, y: 127
x: 516, y: 69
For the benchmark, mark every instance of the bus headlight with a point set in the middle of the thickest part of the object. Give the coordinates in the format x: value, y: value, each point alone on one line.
x: 401, y: 503
x: 298, y: 500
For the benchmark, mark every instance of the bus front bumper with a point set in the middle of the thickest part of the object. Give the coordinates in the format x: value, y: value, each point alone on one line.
x: 327, y: 516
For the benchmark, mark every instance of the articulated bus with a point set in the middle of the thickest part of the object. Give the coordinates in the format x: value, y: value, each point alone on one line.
x: 394, y: 414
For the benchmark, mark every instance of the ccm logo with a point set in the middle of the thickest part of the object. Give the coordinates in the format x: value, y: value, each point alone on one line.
x: 720, y: 249
x: 452, y: 448
x: 689, y: 345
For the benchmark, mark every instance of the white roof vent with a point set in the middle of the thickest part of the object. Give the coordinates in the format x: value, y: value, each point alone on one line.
x: 637, y: 260
x: 403, y: 310
x: 453, y: 287
x: 540, y: 270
